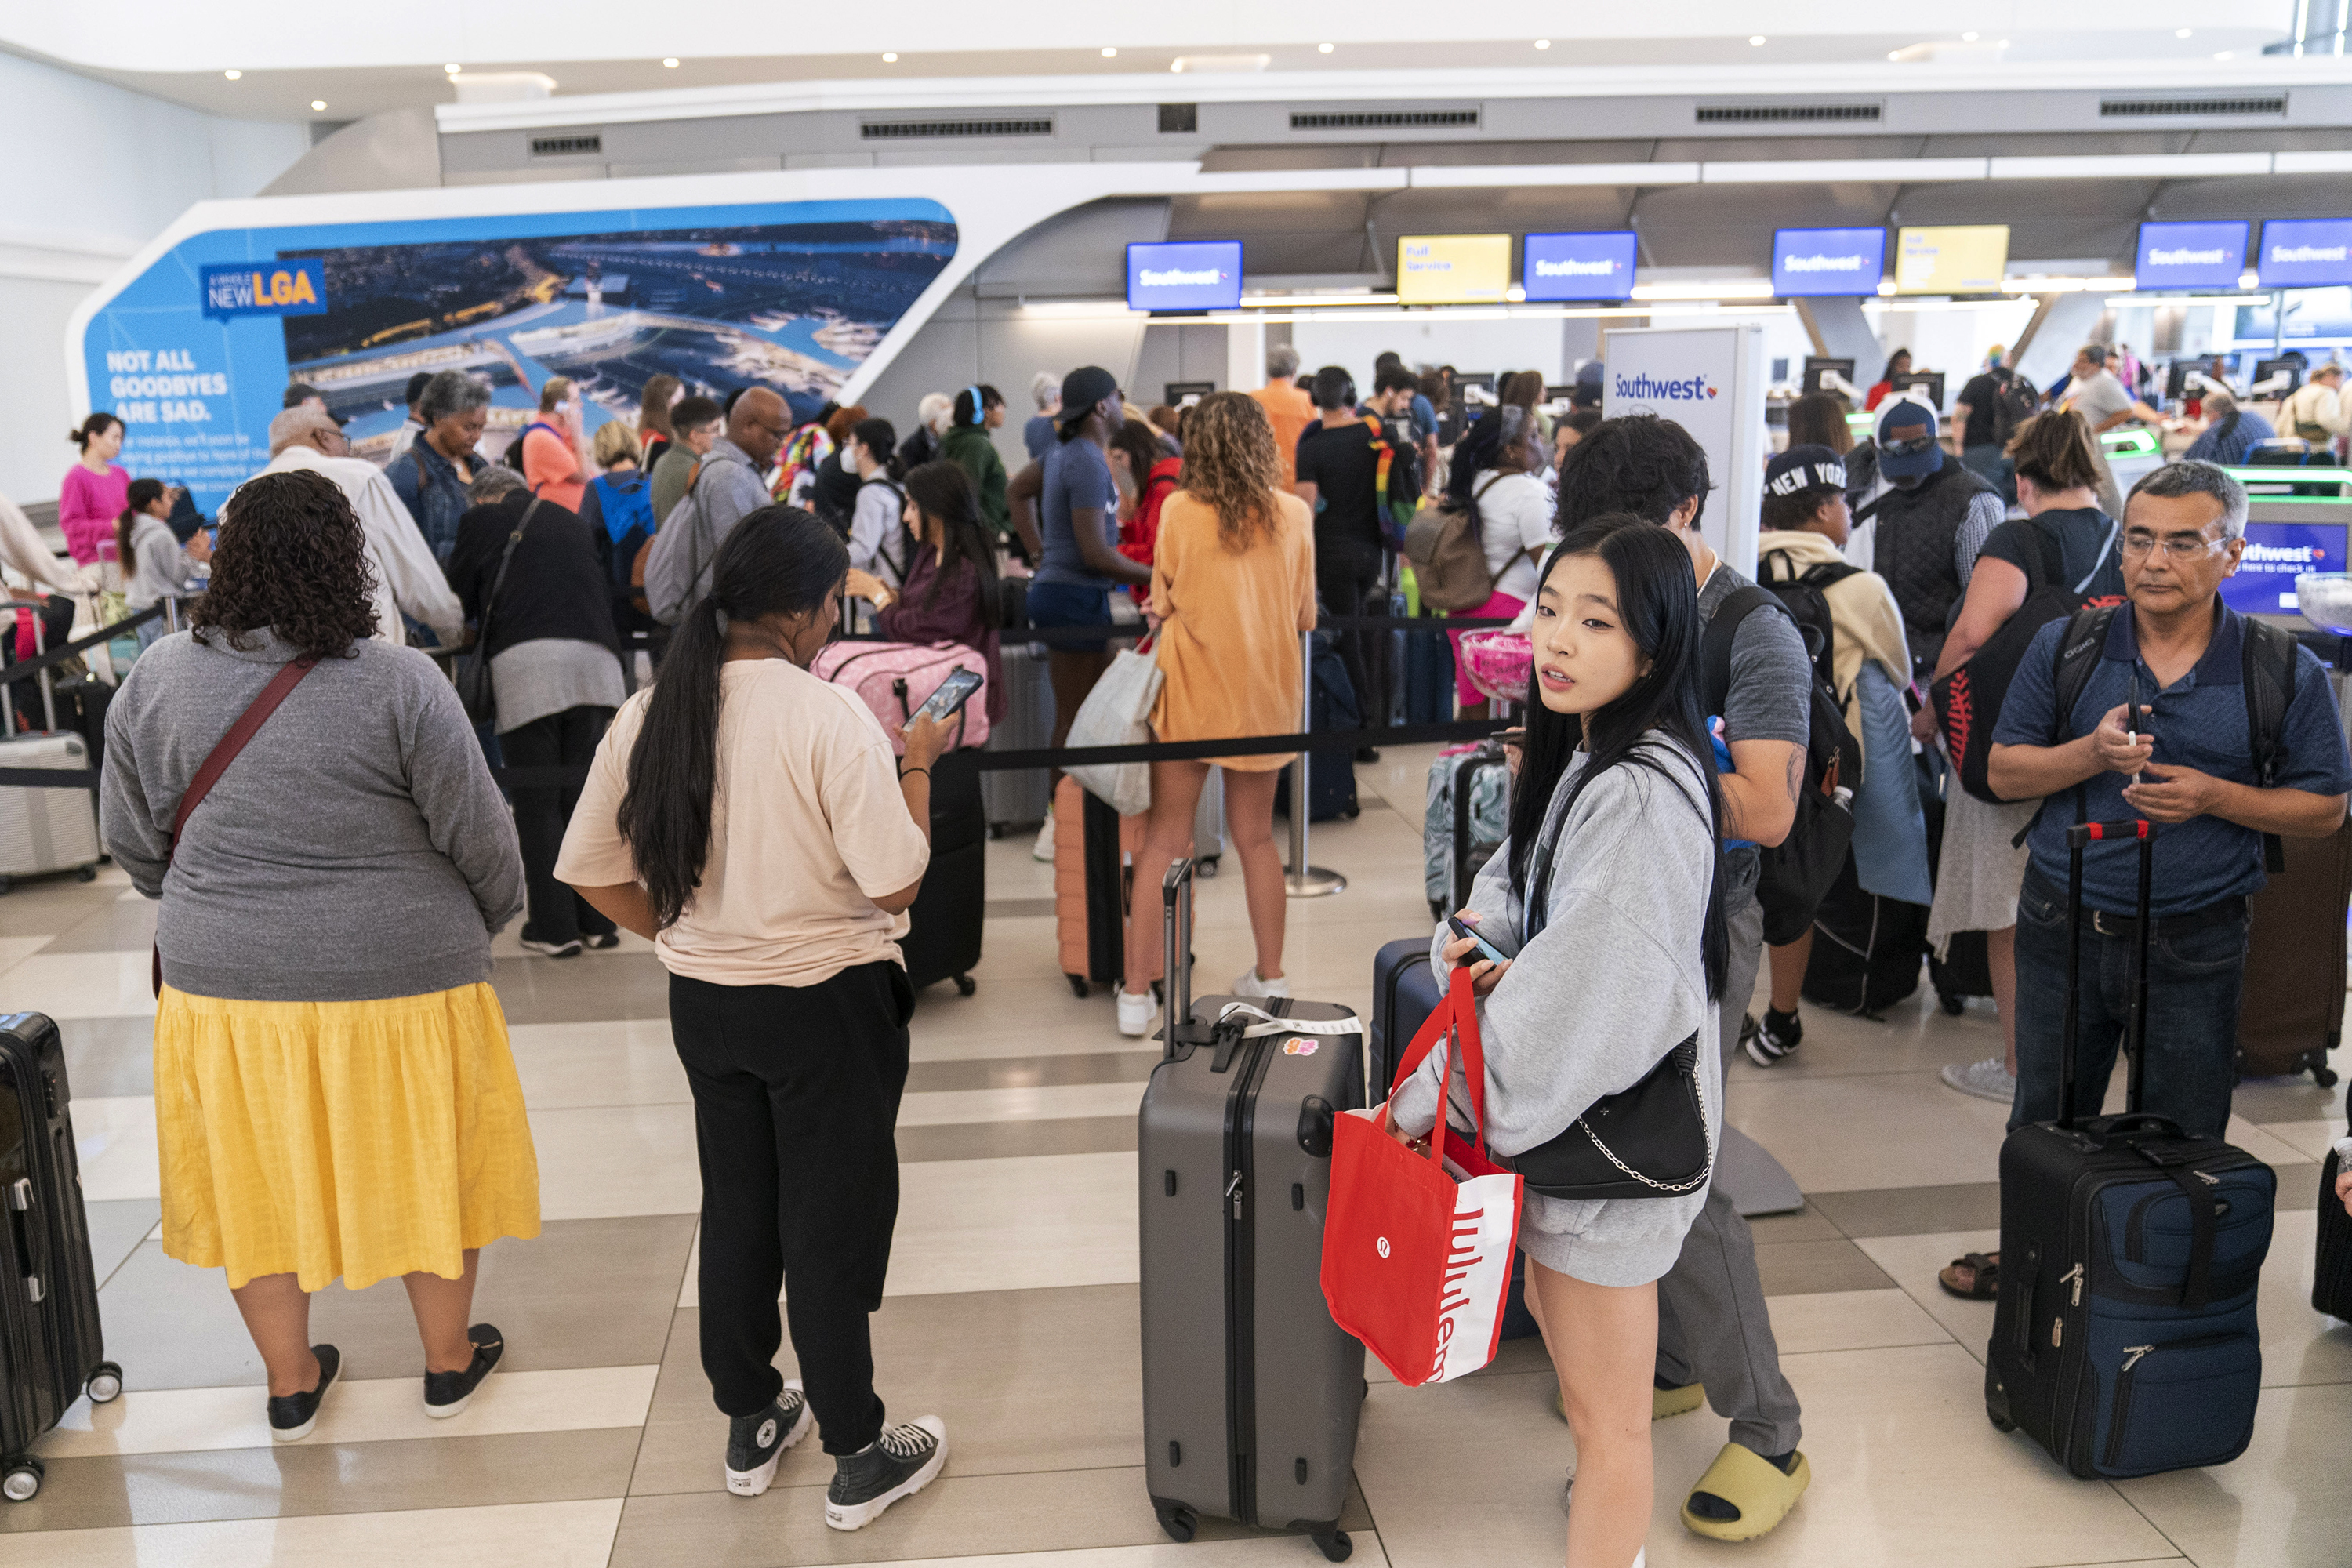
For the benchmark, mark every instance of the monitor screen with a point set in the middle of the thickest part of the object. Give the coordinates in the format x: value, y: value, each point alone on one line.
x: 1827, y: 260
x: 2276, y: 553
x: 2306, y: 252
x: 1816, y: 367
x: 1453, y: 269
x: 1580, y: 265
x: 2277, y: 378
x: 1923, y: 383
x: 1968, y: 258
x: 1187, y: 275
x: 2190, y: 255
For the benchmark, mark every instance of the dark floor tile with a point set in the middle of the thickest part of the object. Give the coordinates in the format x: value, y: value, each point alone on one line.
x: 1807, y: 1223
x: 1019, y: 909
x: 586, y: 1292
x: 1033, y: 1072
x: 117, y: 1227
x: 576, y: 991
x: 998, y: 1139
x: 44, y: 906
x: 1810, y: 1267
x: 2298, y: 1186
x: 1912, y: 1211
x: 322, y: 1479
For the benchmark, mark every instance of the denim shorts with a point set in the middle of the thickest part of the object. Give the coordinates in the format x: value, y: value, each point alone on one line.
x: 1070, y: 605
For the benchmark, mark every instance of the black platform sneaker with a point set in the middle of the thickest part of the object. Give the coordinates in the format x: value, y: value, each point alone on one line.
x: 754, y: 1443
x: 447, y: 1394
x: 898, y: 1463
x: 291, y: 1415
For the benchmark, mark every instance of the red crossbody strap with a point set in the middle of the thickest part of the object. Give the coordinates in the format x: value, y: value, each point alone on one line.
x: 1457, y: 1014
x: 288, y: 678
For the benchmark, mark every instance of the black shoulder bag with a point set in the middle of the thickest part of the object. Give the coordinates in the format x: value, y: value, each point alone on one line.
x: 475, y: 687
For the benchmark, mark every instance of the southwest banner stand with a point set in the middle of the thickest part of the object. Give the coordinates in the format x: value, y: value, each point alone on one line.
x: 1754, y: 1181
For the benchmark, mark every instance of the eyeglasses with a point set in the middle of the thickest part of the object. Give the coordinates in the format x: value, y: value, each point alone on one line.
x: 1918, y: 443
x: 2179, y: 546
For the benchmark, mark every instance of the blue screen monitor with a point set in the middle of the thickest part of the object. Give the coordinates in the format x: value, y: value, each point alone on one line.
x: 2276, y: 553
x: 2306, y: 252
x: 1185, y: 274
x: 1580, y: 265
x: 1827, y: 261
x: 2190, y: 255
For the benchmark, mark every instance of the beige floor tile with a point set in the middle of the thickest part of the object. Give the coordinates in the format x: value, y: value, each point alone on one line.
x: 518, y: 1535
x: 115, y: 1137
x: 380, y: 1410
x: 1851, y: 1321
x: 2282, y: 1504
x: 1912, y: 1261
x: 946, y: 1107
x: 2265, y: 1144
x: 84, y: 984
x: 2297, y: 1098
x: 2310, y: 1139
x: 1911, y: 1211
x: 114, y: 927
x: 1270, y: 1551
x: 117, y: 1227
x: 2299, y: 1345
x: 1878, y: 1130
x: 14, y: 949
x: 623, y: 1062
x: 1911, y: 1037
x: 599, y: 1162
x: 1803, y: 1268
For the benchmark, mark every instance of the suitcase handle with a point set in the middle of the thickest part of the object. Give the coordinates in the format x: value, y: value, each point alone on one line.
x: 1178, y: 1032
x: 2136, y: 1018
x: 31, y: 1245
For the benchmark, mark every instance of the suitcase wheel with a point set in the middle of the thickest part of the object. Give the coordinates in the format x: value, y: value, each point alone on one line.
x: 23, y: 1479
x: 1206, y: 867
x: 105, y: 1384
x: 7, y: 883
x: 87, y: 873
x: 1996, y: 1403
x: 964, y: 986
x: 1177, y: 1520
x: 1077, y: 984
x: 1335, y: 1547
x: 2323, y: 1075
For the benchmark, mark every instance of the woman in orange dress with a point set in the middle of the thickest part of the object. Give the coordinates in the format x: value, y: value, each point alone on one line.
x: 1233, y: 585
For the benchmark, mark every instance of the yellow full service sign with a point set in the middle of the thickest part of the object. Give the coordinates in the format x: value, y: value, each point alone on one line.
x: 1966, y: 259
x: 1453, y: 269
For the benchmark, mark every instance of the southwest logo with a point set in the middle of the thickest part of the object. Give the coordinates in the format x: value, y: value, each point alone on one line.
x: 295, y: 287
x: 1645, y: 387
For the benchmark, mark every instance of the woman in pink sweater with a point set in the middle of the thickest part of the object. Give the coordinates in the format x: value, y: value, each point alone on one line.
x: 96, y: 490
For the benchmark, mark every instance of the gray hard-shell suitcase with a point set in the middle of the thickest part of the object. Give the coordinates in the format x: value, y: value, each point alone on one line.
x: 1015, y: 800
x: 43, y: 830
x: 1251, y: 1392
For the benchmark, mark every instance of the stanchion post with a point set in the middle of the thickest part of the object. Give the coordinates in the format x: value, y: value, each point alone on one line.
x: 1306, y: 881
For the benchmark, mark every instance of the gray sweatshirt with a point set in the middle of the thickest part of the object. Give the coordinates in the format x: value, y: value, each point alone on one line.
x: 1614, y: 982
x: 356, y: 849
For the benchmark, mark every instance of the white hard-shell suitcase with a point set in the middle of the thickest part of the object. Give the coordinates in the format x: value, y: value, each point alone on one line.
x: 43, y: 830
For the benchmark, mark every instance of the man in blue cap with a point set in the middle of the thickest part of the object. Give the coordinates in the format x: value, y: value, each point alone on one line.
x: 1931, y: 524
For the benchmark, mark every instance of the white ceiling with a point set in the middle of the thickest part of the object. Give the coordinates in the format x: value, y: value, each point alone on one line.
x: 364, y: 59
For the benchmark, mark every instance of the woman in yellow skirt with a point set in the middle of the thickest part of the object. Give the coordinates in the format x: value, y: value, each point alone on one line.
x: 334, y: 1097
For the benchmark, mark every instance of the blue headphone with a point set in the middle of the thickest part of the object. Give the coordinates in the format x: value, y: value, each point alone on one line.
x: 978, y: 416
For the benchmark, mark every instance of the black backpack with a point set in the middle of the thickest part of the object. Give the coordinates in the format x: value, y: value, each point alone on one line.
x: 1796, y: 873
x: 2265, y: 673
x: 1967, y: 701
x: 2014, y: 401
x: 512, y: 457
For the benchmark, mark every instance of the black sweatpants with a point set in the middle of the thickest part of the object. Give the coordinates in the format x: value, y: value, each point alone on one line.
x: 795, y: 1099
x: 1348, y: 584
x: 562, y: 740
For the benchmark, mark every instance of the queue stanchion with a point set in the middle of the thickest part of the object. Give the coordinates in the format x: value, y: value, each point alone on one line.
x: 1306, y: 880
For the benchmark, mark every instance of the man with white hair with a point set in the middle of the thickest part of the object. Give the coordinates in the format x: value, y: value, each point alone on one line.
x: 1037, y: 435
x: 2318, y: 410
x: 1287, y: 406
x: 408, y: 581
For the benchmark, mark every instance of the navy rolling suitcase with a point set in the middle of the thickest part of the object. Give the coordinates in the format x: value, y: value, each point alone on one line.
x: 943, y: 923
x: 2125, y: 1341
x: 51, y: 1350
x: 1332, y: 771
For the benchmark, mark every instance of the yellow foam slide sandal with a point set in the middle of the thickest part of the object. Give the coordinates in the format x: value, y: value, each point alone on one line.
x: 1750, y: 1489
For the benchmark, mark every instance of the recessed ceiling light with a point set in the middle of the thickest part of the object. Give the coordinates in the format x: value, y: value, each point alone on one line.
x: 453, y: 69
x: 232, y: 75
x: 889, y: 59
x: 1322, y: 49
x: 2225, y: 54
x: 1543, y: 43
x: 1110, y: 54
x: 2180, y: 32
x: 317, y: 103
x: 1894, y: 54
x: 2002, y: 45
x: 1756, y: 41
x: 1968, y: 37
x: 670, y: 62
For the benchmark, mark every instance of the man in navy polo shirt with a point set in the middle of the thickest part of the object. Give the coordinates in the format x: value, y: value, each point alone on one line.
x: 2184, y: 529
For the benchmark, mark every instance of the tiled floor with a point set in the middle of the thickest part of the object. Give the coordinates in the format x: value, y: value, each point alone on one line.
x: 1012, y: 1307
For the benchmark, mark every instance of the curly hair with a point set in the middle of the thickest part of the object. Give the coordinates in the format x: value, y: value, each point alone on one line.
x: 293, y: 558
x: 1231, y: 465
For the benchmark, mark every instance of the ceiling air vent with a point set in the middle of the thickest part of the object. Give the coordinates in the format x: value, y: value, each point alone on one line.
x: 1387, y: 120
x: 565, y: 146
x: 2141, y: 108
x: 909, y: 129
x: 1785, y: 113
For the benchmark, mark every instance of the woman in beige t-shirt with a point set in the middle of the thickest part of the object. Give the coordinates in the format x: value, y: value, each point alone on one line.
x: 765, y: 837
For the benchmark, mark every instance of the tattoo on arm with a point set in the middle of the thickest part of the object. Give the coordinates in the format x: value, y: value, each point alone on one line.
x: 1796, y: 773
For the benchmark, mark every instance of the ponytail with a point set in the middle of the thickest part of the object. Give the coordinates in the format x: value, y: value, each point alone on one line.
x: 142, y: 494
x: 778, y: 560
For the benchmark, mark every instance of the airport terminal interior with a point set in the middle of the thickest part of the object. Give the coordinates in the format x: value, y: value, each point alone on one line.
x: 218, y: 220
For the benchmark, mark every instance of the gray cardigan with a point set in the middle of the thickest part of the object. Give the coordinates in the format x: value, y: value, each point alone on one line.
x: 355, y: 850
x: 1611, y: 983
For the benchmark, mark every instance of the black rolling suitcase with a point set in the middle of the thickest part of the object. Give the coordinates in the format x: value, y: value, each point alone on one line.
x: 2125, y: 1341
x: 1251, y: 1392
x: 943, y: 923
x: 2331, y: 1277
x: 51, y: 1349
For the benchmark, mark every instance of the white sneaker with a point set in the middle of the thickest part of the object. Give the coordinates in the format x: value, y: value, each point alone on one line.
x: 1135, y: 1013
x: 1987, y: 1079
x: 1247, y: 983
x: 1044, y: 848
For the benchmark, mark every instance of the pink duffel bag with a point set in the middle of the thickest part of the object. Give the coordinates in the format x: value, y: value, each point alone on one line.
x: 897, y: 678
x: 1498, y: 663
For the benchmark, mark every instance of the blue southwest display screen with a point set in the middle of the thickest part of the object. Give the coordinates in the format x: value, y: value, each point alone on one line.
x: 1194, y: 274
x: 2189, y: 254
x: 1827, y: 261
x: 1580, y: 265
x: 2306, y: 252
x: 2275, y: 555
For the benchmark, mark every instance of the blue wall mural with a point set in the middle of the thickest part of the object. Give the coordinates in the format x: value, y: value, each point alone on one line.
x: 194, y: 355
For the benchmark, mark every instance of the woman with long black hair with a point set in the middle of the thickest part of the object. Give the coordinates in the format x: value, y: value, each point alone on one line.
x: 752, y: 820
x: 1609, y: 894
x: 950, y: 594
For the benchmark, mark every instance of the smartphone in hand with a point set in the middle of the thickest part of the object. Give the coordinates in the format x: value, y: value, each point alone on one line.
x: 2131, y: 715
x: 1485, y: 949
x: 948, y: 698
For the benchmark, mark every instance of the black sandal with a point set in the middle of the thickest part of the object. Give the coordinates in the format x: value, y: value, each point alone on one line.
x: 1986, y: 1284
